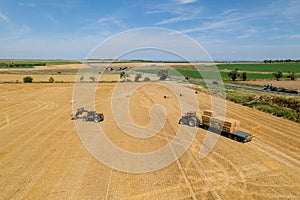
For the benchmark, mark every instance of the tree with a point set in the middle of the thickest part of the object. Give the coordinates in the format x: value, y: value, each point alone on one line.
x: 277, y: 75
x: 233, y: 74
x: 27, y: 79
x: 137, y: 77
x: 243, y: 75
x: 81, y: 78
x: 93, y: 79
x: 124, y: 75
x: 292, y: 76
x: 146, y: 79
x: 163, y: 74
x: 51, y: 80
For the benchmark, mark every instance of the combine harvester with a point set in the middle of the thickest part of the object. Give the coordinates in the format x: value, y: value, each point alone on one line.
x: 227, y: 126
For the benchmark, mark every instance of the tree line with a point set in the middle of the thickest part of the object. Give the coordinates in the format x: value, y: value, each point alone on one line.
x: 20, y: 65
x: 235, y: 74
x: 282, y: 61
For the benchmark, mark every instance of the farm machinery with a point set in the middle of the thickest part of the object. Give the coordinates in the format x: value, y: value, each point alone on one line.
x: 227, y: 126
x: 89, y: 116
x: 190, y: 119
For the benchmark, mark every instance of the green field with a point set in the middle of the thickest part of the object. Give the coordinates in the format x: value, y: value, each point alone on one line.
x: 273, y: 67
x: 209, y: 74
x: 32, y: 63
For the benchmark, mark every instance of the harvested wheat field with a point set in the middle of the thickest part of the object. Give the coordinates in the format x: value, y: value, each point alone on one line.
x: 42, y: 156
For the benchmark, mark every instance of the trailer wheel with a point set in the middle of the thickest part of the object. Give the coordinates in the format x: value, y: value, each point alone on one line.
x: 236, y: 138
x: 230, y: 136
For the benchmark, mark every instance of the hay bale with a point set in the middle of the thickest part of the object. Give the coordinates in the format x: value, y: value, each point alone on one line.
x: 229, y: 125
x: 209, y: 113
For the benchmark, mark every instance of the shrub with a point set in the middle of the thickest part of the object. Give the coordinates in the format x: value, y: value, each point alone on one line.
x: 163, y: 74
x: 93, y: 79
x: 124, y: 76
x: 292, y: 76
x: 233, y: 75
x: 51, y: 80
x: 146, y: 79
x: 137, y: 77
x: 27, y: 79
x: 243, y: 75
x: 277, y: 75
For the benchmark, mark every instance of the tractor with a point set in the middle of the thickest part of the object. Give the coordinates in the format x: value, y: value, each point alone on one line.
x: 190, y: 119
x: 90, y: 115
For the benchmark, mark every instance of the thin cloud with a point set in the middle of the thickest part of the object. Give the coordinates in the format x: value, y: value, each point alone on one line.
x: 287, y: 36
x: 248, y: 34
x: 182, y: 13
x: 229, y: 11
x: 185, y: 1
x: 212, y: 25
x: 22, y: 30
x: 174, y: 9
x: 104, y: 25
x: 52, y: 19
x: 174, y: 20
x: 31, y: 5
x: 3, y: 17
x: 110, y: 20
x: 107, y: 20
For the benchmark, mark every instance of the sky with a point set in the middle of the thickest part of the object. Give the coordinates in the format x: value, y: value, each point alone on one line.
x: 227, y: 30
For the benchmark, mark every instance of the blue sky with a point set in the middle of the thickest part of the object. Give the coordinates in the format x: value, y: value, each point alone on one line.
x: 228, y: 30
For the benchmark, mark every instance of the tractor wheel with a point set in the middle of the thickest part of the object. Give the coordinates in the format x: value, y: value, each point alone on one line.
x: 84, y: 119
x: 180, y: 121
x: 191, y: 123
x: 97, y: 120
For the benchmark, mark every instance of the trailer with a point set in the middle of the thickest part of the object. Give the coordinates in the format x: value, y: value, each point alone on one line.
x: 225, y: 126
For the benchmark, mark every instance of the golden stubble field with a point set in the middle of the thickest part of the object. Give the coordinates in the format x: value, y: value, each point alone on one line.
x: 41, y: 155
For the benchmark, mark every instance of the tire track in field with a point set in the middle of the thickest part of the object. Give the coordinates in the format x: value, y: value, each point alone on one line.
x: 278, y: 155
x: 165, y: 137
x: 29, y: 114
x: 39, y: 156
x: 276, y: 133
x: 26, y: 134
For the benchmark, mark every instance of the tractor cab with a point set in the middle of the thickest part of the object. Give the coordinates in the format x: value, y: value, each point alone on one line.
x: 191, y: 114
x: 190, y: 119
x: 91, y: 114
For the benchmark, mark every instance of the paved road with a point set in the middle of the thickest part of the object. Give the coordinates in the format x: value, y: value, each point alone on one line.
x: 245, y: 88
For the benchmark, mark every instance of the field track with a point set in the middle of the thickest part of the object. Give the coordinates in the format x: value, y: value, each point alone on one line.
x: 42, y: 157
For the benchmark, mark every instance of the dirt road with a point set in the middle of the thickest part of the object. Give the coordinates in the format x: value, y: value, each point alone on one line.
x: 41, y: 155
